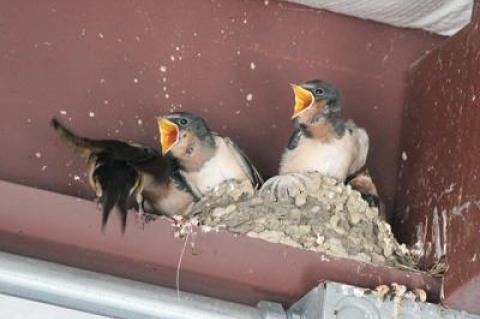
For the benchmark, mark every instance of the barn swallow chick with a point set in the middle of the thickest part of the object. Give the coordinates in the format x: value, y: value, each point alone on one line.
x: 205, y: 159
x: 119, y: 171
x: 323, y: 141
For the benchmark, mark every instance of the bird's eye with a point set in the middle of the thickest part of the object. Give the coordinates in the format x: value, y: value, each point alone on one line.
x: 183, y: 122
x: 319, y: 91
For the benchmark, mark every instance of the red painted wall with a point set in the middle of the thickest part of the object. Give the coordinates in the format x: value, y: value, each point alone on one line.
x: 101, y: 62
x: 439, y: 189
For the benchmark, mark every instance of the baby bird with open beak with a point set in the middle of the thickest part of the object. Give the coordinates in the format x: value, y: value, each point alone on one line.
x: 323, y: 141
x: 204, y: 158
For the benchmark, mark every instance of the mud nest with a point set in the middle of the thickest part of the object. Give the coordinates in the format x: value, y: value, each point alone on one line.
x: 307, y: 211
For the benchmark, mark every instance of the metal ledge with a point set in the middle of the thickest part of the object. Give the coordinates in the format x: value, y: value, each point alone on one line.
x: 66, y: 230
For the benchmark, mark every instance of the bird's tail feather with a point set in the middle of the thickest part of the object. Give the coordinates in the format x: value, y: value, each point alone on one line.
x: 82, y: 143
x: 108, y: 202
x: 118, y: 180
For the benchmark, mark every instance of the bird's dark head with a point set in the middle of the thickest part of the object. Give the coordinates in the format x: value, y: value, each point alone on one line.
x: 316, y: 99
x: 180, y: 130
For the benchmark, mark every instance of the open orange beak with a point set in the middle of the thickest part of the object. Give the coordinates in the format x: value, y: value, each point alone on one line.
x: 303, y: 99
x: 169, y: 134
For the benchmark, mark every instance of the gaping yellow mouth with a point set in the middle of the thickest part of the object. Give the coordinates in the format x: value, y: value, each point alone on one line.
x: 169, y: 134
x: 303, y: 99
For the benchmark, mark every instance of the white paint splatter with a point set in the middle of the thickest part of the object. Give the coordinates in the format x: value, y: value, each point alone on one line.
x: 29, y: 120
x: 249, y: 97
x: 163, y: 68
x: 252, y: 66
x: 177, y: 48
x: 91, y: 114
x: 266, y: 2
x: 139, y: 122
x: 164, y: 79
x: 167, y: 96
x: 238, y: 52
x: 437, y: 234
x: 135, y: 80
x: 76, y: 178
x: 458, y: 210
x: 244, y: 21
x: 137, y: 38
x: 404, y: 156
x: 38, y: 155
x: 105, y: 102
x: 63, y: 112
x: 83, y: 32
x: 172, y: 58
x: 164, y: 88
x: 44, y: 168
x: 102, y: 80
x: 100, y: 35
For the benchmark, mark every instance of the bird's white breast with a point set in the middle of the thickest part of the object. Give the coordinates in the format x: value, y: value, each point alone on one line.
x: 337, y: 158
x: 222, y: 166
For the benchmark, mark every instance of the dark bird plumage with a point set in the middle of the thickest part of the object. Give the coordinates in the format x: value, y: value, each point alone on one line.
x: 119, y: 172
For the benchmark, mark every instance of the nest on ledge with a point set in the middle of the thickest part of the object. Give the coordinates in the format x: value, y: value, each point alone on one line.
x: 307, y: 211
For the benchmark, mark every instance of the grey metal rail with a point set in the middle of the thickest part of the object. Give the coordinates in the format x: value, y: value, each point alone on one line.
x: 115, y: 297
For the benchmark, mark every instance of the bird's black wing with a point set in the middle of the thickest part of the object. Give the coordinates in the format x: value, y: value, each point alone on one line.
x: 295, y: 139
x: 245, y: 162
x: 182, y: 184
x: 114, y: 149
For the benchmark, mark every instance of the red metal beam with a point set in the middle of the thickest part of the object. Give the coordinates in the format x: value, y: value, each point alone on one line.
x: 439, y: 189
x: 64, y: 229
